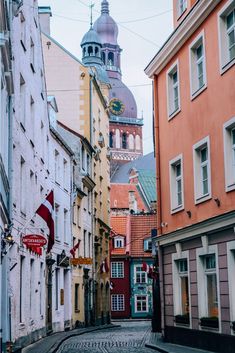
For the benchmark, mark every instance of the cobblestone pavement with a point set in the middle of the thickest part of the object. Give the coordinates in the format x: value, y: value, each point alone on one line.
x: 130, y: 337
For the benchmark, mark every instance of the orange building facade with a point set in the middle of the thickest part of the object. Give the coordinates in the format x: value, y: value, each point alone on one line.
x: 194, y: 104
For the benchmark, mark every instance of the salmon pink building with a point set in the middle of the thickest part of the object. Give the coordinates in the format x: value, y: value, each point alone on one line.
x: 194, y: 119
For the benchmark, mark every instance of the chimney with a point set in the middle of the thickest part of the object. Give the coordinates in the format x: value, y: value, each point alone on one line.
x: 44, y: 18
x: 132, y: 202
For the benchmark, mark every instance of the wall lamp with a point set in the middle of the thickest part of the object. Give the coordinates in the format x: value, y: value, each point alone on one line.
x: 6, y: 238
x: 217, y: 201
x: 189, y: 213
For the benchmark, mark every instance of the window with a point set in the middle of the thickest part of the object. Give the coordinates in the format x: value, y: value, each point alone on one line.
x: 229, y: 154
x: 23, y: 31
x: 111, y: 139
x: 78, y: 216
x: 176, y: 184
x: 57, y: 209
x: 226, y: 19
x: 197, y: 65
x: 110, y: 59
x: 76, y: 297
x: 57, y: 284
x: 57, y: 166
x: 118, y: 242
x: 22, y: 186
x: 231, y: 282
x: 22, y: 288
x: 22, y: 100
x: 207, y: 272
x: 124, y: 140
x: 32, y: 120
x: 184, y: 286
x: 202, y: 173
x: 41, y: 288
x: 32, y: 289
x: 32, y: 55
x: 182, y: 6
x: 117, y: 269
x: 140, y: 275
x: 173, y: 94
x: 83, y: 158
x: 148, y: 245
x: 65, y: 225
x: 117, y: 301
x: 141, y: 303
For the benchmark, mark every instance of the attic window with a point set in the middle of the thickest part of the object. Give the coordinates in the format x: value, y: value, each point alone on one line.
x: 118, y: 242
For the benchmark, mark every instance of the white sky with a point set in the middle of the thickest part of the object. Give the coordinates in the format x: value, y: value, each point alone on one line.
x: 144, y: 25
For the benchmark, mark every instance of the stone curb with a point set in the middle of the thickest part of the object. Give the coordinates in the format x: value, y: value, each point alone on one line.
x: 156, y: 348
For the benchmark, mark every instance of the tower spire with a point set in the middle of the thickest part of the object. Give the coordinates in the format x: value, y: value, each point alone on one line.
x: 104, y: 7
x: 91, y: 19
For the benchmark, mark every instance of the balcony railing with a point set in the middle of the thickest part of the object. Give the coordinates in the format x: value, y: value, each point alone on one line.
x: 132, y: 121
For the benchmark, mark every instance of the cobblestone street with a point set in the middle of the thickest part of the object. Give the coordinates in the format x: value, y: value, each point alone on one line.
x: 130, y: 337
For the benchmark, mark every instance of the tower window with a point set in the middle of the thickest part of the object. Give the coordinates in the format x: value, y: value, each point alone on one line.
x: 111, y: 139
x: 90, y: 50
x: 110, y: 58
x: 84, y: 51
x: 103, y: 57
x: 124, y: 140
x: 96, y: 50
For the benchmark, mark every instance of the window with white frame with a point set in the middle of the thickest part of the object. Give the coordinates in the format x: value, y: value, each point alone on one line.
x: 173, y: 90
x: 57, y: 221
x: 226, y: 19
x: 57, y: 166
x: 117, y: 269
x: 231, y: 282
x: 118, y: 242
x: 141, y: 303
x: 197, y: 65
x: 182, y: 6
x: 229, y: 154
x: 202, y: 172
x: 140, y: 275
x: 182, y: 267
x: 148, y: 245
x: 176, y: 184
x: 207, y: 272
x: 65, y: 224
x: 117, y: 302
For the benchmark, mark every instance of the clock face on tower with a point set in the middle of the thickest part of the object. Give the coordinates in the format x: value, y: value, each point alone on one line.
x: 116, y: 106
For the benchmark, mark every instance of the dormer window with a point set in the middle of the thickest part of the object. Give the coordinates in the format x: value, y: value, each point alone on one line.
x: 118, y: 242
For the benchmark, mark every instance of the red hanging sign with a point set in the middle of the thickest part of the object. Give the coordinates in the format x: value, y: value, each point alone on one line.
x: 34, y: 240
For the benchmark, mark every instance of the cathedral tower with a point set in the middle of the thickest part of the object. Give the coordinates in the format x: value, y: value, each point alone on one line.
x: 125, y: 128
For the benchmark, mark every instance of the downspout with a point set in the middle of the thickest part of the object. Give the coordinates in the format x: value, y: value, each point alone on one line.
x: 159, y: 208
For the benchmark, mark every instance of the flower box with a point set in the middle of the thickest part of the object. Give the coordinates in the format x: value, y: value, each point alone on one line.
x: 210, y: 322
x: 182, y: 319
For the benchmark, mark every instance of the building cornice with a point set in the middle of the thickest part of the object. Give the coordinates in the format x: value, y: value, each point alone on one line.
x: 182, y: 33
x: 210, y: 225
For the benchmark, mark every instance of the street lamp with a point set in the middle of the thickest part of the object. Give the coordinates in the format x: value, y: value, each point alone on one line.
x: 6, y: 238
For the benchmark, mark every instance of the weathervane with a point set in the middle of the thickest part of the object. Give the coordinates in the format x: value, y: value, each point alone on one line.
x: 91, y: 7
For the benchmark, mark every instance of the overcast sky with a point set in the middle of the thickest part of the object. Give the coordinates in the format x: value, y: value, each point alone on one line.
x: 144, y: 25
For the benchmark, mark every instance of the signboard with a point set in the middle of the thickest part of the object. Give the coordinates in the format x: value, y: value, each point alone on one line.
x: 81, y: 261
x: 34, y: 240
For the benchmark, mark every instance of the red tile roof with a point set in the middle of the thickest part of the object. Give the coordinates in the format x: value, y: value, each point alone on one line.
x: 120, y: 196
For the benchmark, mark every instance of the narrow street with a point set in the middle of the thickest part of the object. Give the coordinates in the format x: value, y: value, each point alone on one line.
x: 130, y: 337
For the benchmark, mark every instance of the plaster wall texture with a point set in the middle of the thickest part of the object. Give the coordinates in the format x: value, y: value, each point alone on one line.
x: 33, y: 178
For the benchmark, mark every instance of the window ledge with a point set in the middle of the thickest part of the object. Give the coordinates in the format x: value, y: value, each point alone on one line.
x: 202, y: 199
x: 177, y: 209
x: 181, y: 14
x: 196, y: 93
x: 227, y: 66
x: 230, y: 187
x: 173, y: 114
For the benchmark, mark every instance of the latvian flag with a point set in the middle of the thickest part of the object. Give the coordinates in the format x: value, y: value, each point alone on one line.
x: 73, y: 250
x: 45, y: 211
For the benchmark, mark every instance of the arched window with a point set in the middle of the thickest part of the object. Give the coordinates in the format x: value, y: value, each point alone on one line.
x: 111, y: 58
x: 124, y: 140
x: 103, y: 56
x: 90, y: 50
x: 84, y: 51
x: 111, y: 139
x: 131, y: 142
x: 117, y: 138
x: 137, y: 143
x: 96, y: 50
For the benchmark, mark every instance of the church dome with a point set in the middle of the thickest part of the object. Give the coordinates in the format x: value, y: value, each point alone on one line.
x: 91, y: 37
x: 105, y: 25
x: 120, y: 91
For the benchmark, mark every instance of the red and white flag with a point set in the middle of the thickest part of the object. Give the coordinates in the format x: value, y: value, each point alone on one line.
x: 45, y: 211
x: 73, y: 250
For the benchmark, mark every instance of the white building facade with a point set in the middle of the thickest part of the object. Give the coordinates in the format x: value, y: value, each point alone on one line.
x: 39, y: 283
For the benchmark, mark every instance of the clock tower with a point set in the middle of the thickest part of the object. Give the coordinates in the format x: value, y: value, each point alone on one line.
x: 125, y: 132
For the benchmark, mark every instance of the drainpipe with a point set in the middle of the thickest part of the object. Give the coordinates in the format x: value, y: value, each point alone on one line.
x: 159, y: 209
